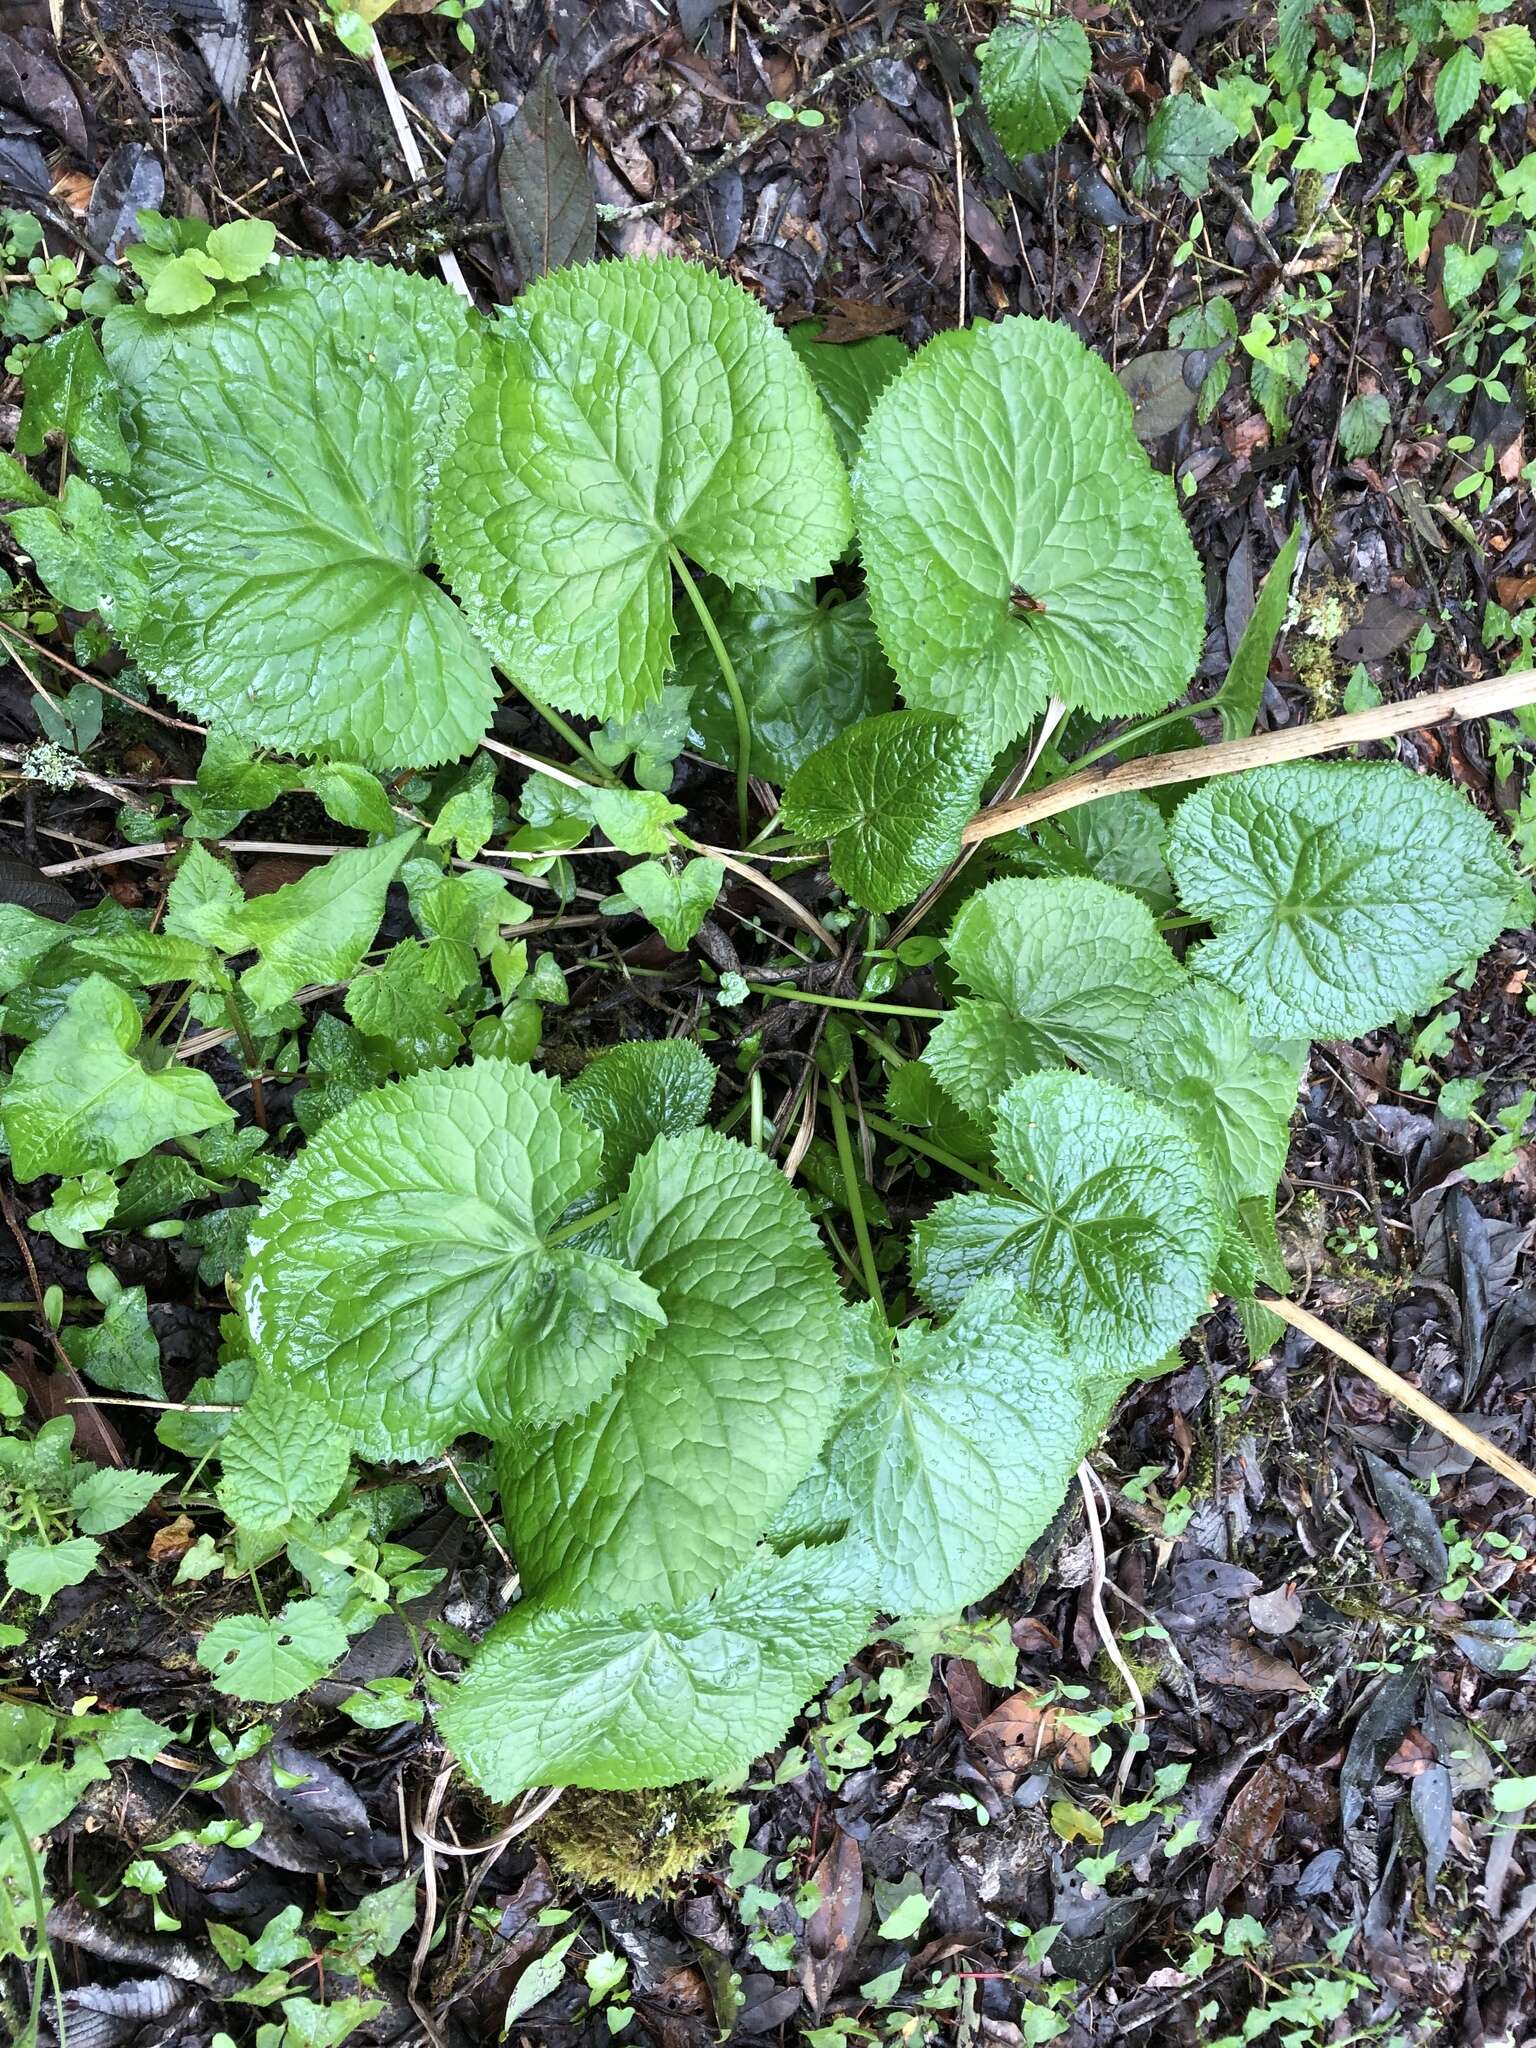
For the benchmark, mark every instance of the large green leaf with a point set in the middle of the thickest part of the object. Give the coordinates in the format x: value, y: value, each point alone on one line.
x: 402, y: 1269
x: 1342, y: 894
x: 1063, y: 970
x: 662, y: 1487
x: 284, y: 461
x: 1033, y: 70
x: 1195, y: 1056
x: 659, y: 1694
x: 891, y: 794
x: 950, y: 1456
x: 1016, y: 540
x: 79, y: 1099
x: 621, y: 410
x: 1112, y: 1231
x: 269, y: 1661
x: 807, y: 671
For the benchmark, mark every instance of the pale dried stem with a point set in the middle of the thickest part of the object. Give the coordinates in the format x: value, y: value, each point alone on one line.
x: 1230, y: 757
x: 1404, y: 1393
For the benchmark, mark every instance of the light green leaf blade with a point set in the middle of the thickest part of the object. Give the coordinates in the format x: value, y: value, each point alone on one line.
x: 283, y: 1459
x: 401, y: 1269
x: 1112, y: 1231
x: 676, y: 901
x: 403, y: 1005
x: 1017, y: 543
x: 78, y: 1207
x: 891, y: 794
x: 662, y: 1487
x: 1509, y: 57
x: 1067, y: 970
x: 807, y: 670
x: 286, y: 453
x: 318, y: 928
x: 637, y: 1093
x: 104, y: 1498
x: 1033, y: 70
x: 1457, y: 86
x: 43, y: 1569
x: 24, y: 939
x: 659, y: 1695
x: 78, y: 1098
x: 623, y: 409
x: 1195, y: 1057
x: 205, y: 902
x: 146, y: 958
x: 950, y: 1457
x: 268, y: 1662
x: 1342, y: 894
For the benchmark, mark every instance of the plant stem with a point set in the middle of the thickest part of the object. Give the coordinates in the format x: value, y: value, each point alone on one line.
x: 936, y: 1153
x: 234, y: 1010
x: 850, y: 1174
x: 1143, y: 731
x: 40, y: 1916
x: 733, y: 687
x: 581, y: 1223
x: 567, y: 732
x: 804, y: 995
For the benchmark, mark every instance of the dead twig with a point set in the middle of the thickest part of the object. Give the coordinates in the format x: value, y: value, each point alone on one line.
x: 1229, y: 757
x: 1404, y: 1392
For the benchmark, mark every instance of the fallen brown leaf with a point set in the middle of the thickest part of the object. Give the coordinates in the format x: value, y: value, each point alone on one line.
x: 171, y: 1544
x: 1021, y: 1733
x: 1246, y: 1832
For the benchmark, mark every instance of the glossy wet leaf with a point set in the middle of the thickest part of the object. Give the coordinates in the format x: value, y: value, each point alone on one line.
x: 1016, y: 541
x: 620, y: 410
x: 659, y: 1694
x: 402, y: 1270
x: 1111, y: 1230
x: 78, y: 1097
x: 663, y: 1486
x: 286, y: 451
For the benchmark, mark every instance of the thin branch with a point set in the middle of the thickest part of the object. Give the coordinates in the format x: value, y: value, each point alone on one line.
x: 1228, y: 757
x: 1404, y: 1393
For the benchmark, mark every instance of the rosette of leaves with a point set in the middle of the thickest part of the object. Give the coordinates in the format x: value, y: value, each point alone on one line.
x: 658, y: 1374
x: 1017, y: 543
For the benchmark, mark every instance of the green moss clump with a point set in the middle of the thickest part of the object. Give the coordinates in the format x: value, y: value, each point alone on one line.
x: 636, y: 1843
